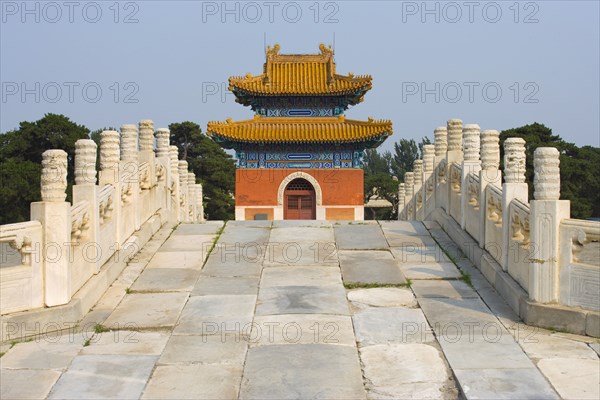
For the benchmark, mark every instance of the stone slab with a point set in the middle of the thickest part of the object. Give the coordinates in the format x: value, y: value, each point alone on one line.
x: 441, y: 270
x: 573, y: 378
x: 147, y: 310
x: 407, y: 228
x: 104, y: 377
x: 17, y: 384
x: 210, y: 349
x: 360, y: 237
x: 444, y: 314
x: 453, y: 289
x: 492, y: 348
x: 166, y: 280
x: 194, y: 381
x: 303, y: 371
x: 51, y: 351
x: 391, y: 325
x: 214, y: 314
x: 211, y: 285
x: 188, y: 243
x: 291, y: 234
x: 301, y: 253
x: 539, y: 345
x: 302, y: 223
x: 235, y: 263
x: 506, y: 384
x: 302, y: 300
x: 383, y: 297
x: 300, y: 276
x: 302, y: 329
x: 127, y: 343
x: 178, y: 259
x: 245, y: 236
x: 406, y: 371
x: 369, y: 267
x: 201, y: 228
x: 417, y: 253
x: 401, y: 240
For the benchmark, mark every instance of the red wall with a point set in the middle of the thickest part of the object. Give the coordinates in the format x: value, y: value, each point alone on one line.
x: 258, y: 187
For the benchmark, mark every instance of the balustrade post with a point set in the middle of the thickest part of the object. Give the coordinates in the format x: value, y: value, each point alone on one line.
x: 441, y: 168
x: 183, y: 191
x: 417, y: 189
x: 401, y: 201
x: 546, y: 213
x: 490, y: 174
x: 471, y: 164
x: 514, y: 187
x: 454, y: 154
x: 110, y: 175
x: 173, y: 184
x: 130, y: 171
x: 85, y: 189
x: 54, y: 213
x: 409, y: 181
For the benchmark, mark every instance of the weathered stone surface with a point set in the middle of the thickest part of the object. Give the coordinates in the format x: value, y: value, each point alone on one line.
x: 291, y: 223
x: 492, y: 347
x: 166, y: 280
x: 178, y: 259
x: 573, y: 378
x: 383, y: 297
x: 250, y: 234
x: 405, y: 371
x: 194, y: 381
x: 188, y: 243
x: 215, y: 285
x: 437, y: 288
x: 300, y: 276
x: 233, y: 261
x: 466, y: 313
x: 215, y: 314
x: 127, y: 343
x: 359, y: 237
x: 441, y: 270
x: 416, y: 252
x: 208, y: 349
x: 540, y: 345
x: 302, y: 371
x: 369, y: 267
x: 51, y: 351
x: 406, y: 228
x: 294, y: 234
x: 205, y: 228
x: 147, y: 310
x: 298, y: 253
x: 391, y: 325
x: 302, y: 300
x: 104, y: 377
x: 26, y: 383
x: 302, y: 329
x: 504, y: 384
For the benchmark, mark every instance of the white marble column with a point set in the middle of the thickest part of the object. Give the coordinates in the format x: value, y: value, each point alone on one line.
x: 514, y: 187
x: 471, y: 164
x: 54, y: 213
x: 489, y: 174
x: 546, y: 213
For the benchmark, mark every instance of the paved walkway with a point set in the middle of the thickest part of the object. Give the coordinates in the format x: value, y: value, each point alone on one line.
x: 304, y: 309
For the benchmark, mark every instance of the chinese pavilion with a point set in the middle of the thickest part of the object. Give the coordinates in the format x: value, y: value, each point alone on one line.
x: 299, y: 157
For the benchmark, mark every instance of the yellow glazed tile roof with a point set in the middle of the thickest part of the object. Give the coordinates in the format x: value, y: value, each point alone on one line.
x: 300, y: 74
x: 299, y: 130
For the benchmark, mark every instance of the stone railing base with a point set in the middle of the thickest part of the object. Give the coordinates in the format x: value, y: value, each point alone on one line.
x: 549, y: 316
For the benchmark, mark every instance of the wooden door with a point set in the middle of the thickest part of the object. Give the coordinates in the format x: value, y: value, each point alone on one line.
x: 299, y: 200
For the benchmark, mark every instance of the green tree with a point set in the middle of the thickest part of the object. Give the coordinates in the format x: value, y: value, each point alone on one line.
x: 379, y: 182
x: 579, y: 167
x: 406, y: 152
x: 214, y: 168
x: 20, y: 161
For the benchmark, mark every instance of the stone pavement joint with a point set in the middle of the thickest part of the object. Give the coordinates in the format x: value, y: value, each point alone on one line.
x: 360, y: 311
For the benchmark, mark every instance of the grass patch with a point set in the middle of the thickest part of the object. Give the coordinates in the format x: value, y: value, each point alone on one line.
x: 86, y: 343
x: 466, y: 278
x: 2, y: 353
x: 128, y: 291
x: 13, y: 344
x: 364, y: 285
x: 99, y: 328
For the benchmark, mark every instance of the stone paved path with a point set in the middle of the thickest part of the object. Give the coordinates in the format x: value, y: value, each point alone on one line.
x: 302, y: 309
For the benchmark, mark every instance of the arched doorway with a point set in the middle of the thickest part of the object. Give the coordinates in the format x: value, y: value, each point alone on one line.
x: 299, y: 200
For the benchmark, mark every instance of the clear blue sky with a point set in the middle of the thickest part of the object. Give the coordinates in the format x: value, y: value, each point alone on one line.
x: 171, y: 57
